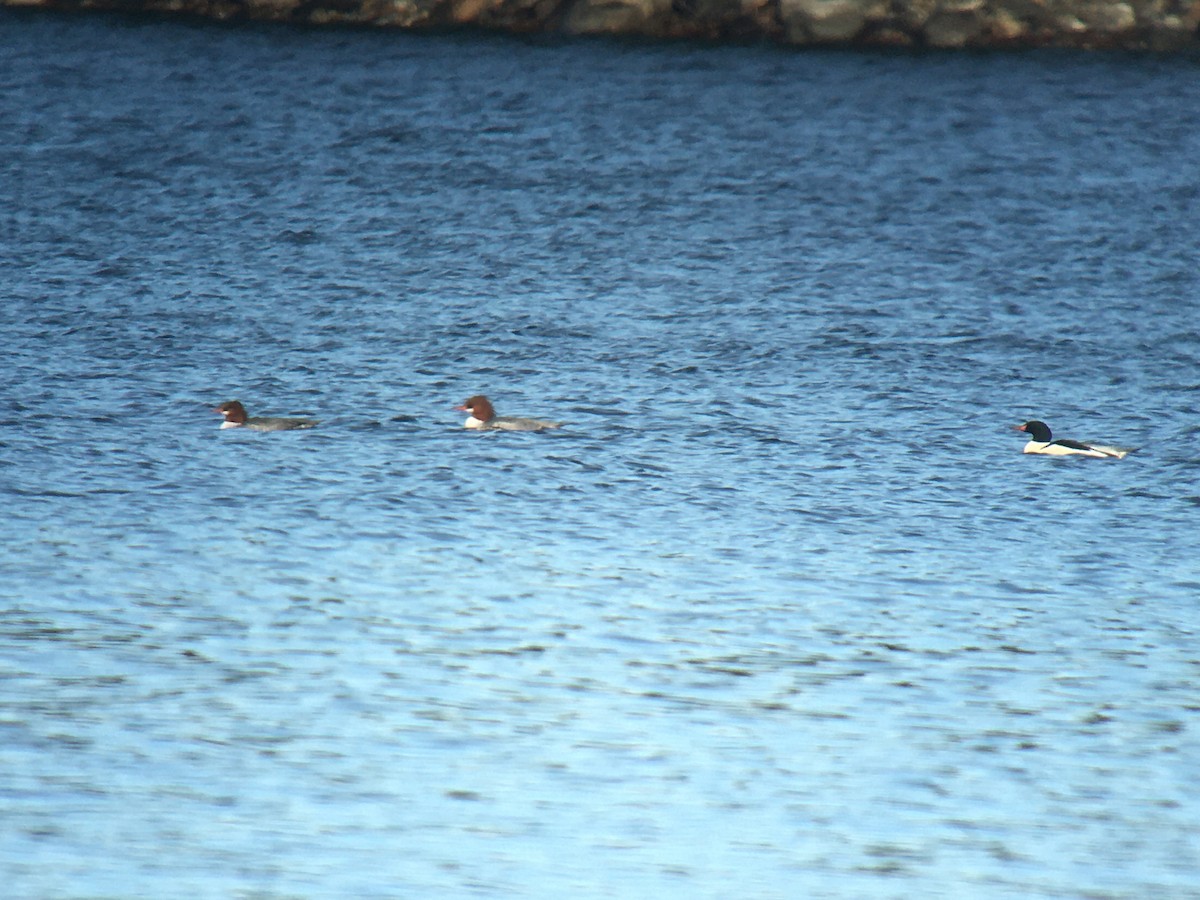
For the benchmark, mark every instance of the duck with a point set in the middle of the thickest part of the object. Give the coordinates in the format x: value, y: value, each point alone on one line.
x: 1042, y: 441
x: 235, y: 417
x: 483, y: 416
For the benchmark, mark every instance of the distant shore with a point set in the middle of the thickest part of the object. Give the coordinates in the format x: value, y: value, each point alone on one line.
x: 1156, y: 25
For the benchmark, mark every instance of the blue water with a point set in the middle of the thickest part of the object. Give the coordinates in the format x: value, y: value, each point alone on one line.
x: 782, y: 612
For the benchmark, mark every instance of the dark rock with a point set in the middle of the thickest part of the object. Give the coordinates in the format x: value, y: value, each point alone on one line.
x: 1158, y: 25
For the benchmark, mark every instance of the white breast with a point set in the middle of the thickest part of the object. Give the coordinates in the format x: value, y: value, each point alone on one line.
x: 1059, y: 450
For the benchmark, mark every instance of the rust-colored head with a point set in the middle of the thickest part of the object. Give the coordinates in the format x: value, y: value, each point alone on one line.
x: 233, y: 411
x: 478, y: 406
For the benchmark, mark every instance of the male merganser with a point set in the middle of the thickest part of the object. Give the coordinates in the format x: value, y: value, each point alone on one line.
x: 235, y: 417
x: 1040, y: 442
x: 484, y: 416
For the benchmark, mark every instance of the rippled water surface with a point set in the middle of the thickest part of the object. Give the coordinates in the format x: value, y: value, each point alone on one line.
x: 783, y: 611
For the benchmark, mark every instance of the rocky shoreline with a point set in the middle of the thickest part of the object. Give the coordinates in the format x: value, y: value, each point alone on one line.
x: 1156, y: 25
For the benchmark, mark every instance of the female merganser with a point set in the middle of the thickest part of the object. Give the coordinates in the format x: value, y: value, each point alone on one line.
x: 235, y: 417
x: 1040, y: 442
x: 484, y: 416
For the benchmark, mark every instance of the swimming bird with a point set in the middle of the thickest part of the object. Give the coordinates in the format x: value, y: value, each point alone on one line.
x: 1041, y: 441
x: 235, y: 417
x: 483, y: 416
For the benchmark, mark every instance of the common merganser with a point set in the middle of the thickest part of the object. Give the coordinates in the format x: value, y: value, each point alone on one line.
x: 235, y: 417
x: 1040, y: 441
x: 484, y: 416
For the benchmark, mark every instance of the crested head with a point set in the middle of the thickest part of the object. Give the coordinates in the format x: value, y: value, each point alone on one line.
x: 1039, y: 431
x: 479, y: 407
x: 233, y: 411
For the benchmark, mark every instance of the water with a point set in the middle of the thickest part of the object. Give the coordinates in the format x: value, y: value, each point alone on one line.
x: 782, y: 612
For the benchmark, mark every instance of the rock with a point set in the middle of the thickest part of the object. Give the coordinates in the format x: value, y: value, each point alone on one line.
x: 953, y: 28
x: 825, y: 21
x: 887, y: 37
x: 1069, y: 25
x: 1003, y: 27
x: 915, y: 13
x: 1159, y: 25
x: 615, y: 16
x: 716, y: 19
x: 1107, y: 16
x: 1035, y: 14
x: 1169, y: 36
